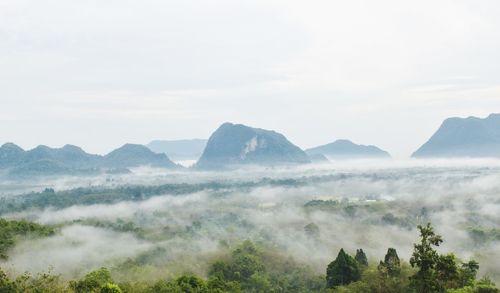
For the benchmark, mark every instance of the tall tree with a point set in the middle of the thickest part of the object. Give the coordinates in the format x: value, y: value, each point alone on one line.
x: 425, y: 258
x: 342, y: 271
x: 392, y: 263
x: 447, y: 272
x: 361, y: 258
x: 468, y: 273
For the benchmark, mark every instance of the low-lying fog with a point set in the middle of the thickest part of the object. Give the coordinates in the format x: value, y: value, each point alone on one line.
x: 365, y: 204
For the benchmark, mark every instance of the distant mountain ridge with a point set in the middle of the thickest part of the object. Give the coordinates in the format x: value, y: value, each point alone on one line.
x: 346, y: 149
x: 464, y: 137
x: 134, y: 155
x: 44, y: 160
x: 183, y: 149
x: 237, y: 144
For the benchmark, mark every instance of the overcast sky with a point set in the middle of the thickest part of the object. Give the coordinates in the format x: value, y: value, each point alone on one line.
x: 99, y: 73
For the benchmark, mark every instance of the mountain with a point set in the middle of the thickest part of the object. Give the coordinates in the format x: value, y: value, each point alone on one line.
x: 134, y: 155
x: 464, y: 137
x: 346, y: 149
x: 10, y: 155
x: 70, y: 156
x: 40, y: 167
x: 236, y: 144
x: 71, y: 159
x: 45, y: 160
x: 318, y: 158
x: 185, y: 149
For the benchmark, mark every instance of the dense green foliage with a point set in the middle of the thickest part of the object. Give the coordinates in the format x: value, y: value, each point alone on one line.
x: 251, y: 268
x: 255, y: 268
x: 26, y: 283
x: 95, y: 195
x: 96, y: 281
x: 439, y: 273
x: 391, y: 266
x: 342, y: 271
x: 426, y: 258
x: 431, y: 272
x: 192, y: 243
x: 108, y: 195
x: 361, y: 258
x: 248, y: 268
x: 11, y: 230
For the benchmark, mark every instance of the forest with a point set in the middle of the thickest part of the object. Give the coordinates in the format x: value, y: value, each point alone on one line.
x: 252, y: 268
x: 299, y: 230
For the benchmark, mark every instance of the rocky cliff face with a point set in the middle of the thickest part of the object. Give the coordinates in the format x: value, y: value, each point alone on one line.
x: 236, y: 144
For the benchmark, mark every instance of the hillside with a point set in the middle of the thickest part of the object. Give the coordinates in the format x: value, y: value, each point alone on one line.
x: 184, y: 149
x: 464, y: 137
x: 71, y: 159
x: 346, y: 149
x: 236, y: 144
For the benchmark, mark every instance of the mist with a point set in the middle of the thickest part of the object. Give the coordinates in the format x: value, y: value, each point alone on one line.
x: 372, y: 205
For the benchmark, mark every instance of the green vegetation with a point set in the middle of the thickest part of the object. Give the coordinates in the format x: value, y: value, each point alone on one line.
x: 26, y: 283
x: 391, y: 266
x: 96, y: 281
x: 101, y: 195
x: 94, y: 195
x: 11, y: 230
x: 256, y: 268
x: 248, y: 268
x: 191, y: 236
x: 430, y: 272
x: 342, y: 271
x: 361, y: 258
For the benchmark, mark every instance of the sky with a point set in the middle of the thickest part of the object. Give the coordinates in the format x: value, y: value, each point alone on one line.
x: 101, y: 73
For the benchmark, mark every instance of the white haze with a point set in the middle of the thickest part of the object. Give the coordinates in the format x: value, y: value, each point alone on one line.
x: 458, y: 194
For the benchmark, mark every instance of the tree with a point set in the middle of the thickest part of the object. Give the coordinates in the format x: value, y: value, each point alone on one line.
x: 218, y: 284
x: 110, y: 288
x: 468, y: 273
x: 391, y: 266
x: 425, y: 258
x: 163, y: 286
x: 259, y: 282
x: 93, y: 281
x: 192, y: 284
x: 485, y: 285
x: 6, y: 285
x: 11, y: 230
x: 312, y: 230
x: 447, y: 271
x: 342, y: 271
x: 245, y: 262
x: 361, y: 258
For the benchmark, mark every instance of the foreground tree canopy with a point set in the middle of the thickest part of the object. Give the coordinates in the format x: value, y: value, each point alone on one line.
x: 255, y: 268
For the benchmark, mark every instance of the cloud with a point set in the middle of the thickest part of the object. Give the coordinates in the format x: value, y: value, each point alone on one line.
x: 151, y: 70
x: 456, y: 196
x: 74, y: 251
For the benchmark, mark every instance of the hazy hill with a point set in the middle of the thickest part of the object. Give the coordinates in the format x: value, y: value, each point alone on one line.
x: 10, y: 154
x: 346, y: 149
x: 318, y: 158
x: 237, y: 144
x: 464, y: 137
x: 184, y: 149
x: 44, y: 160
x: 133, y: 155
x: 69, y: 155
